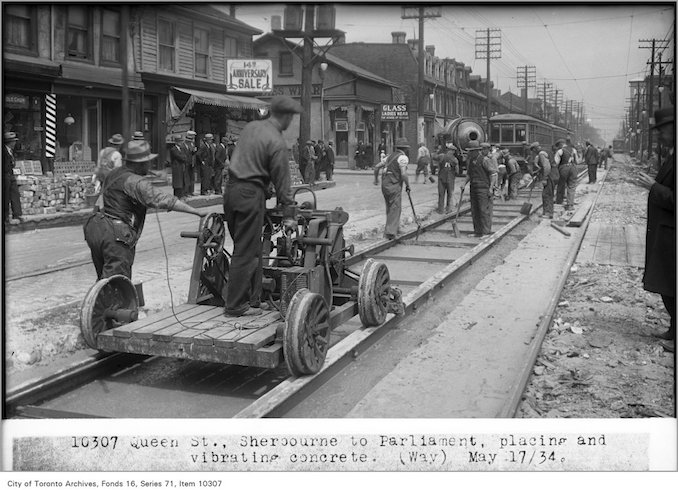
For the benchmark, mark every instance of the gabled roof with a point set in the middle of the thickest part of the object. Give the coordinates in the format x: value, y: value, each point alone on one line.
x: 335, y: 60
x: 216, y: 14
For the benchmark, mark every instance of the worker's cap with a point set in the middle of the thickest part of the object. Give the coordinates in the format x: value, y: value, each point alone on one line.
x: 505, y: 151
x: 663, y: 116
x: 450, y: 146
x: 209, y: 136
x: 560, y: 142
x: 10, y: 136
x: 535, y: 146
x: 485, y: 146
x: 138, y: 135
x: 116, y: 139
x: 139, y: 152
x: 177, y: 137
x: 309, y: 142
x: 282, y: 104
x: 190, y: 135
x: 473, y: 145
x: 402, y: 143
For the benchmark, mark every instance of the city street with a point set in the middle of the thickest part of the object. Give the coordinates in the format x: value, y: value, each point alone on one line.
x: 49, y: 271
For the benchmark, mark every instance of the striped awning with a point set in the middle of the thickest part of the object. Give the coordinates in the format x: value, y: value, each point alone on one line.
x: 220, y: 100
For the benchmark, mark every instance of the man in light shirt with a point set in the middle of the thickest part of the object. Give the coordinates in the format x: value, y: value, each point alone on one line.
x: 392, y: 180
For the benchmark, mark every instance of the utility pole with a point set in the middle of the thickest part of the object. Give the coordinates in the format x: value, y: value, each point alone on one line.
x: 527, y: 78
x: 650, y: 86
x: 307, y: 75
x: 420, y: 13
x: 555, y: 107
x: 544, y: 86
x: 488, y: 46
x: 446, y: 60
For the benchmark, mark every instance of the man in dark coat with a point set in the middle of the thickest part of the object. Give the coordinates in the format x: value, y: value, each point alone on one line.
x: 221, y: 167
x: 393, y: 176
x: 190, y: 149
x: 591, y: 160
x: 206, y: 159
x: 660, y: 246
x: 329, y: 162
x: 482, y: 174
x: 448, y: 166
x: 178, y: 163
x: 10, y: 189
x: 547, y: 171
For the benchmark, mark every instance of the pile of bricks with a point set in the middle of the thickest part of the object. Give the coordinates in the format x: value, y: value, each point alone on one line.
x: 47, y: 195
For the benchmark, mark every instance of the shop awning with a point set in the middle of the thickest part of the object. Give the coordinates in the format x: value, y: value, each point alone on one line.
x: 220, y: 100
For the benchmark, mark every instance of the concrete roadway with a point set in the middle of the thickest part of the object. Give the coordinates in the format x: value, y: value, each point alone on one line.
x: 47, y: 268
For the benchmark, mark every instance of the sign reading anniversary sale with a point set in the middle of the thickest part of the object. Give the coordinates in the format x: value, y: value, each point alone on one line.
x: 249, y: 75
x: 394, y: 112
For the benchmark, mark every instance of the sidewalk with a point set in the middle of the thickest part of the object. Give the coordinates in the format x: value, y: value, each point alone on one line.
x: 42, y: 221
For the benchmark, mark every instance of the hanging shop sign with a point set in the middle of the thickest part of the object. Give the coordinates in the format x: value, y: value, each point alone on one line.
x: 16, y: 101
x: 249, y: 75
x: 394, y: 112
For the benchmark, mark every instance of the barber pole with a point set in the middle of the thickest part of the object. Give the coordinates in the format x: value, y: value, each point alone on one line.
x: 50, y: 125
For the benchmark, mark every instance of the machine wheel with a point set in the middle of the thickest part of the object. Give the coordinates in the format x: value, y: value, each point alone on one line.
x: 110, y: 302
x: 213, y: 235
x: 373, y: 292
x: 306, y: 337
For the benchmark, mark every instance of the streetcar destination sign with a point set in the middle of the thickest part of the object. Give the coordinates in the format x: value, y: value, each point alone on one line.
x: 394, y: 112
x: 249, y: 75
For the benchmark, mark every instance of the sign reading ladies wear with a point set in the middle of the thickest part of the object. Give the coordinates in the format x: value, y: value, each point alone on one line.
x: 249, y: 75
x: 394, y: 112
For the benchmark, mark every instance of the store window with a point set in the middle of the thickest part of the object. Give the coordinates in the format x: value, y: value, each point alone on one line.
x: 230, y: 47
x: 202, y: 47
x: 285, y: 65
x: 78, y: 36
x: 110, y: 41
x: 23, y: 115
x: 166, y: 44
x: 19, y: 27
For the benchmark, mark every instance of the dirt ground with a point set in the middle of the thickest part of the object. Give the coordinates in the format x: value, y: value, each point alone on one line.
x: 599, y: 358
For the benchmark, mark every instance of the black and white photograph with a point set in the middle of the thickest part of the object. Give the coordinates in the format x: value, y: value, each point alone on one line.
x: 351, y: 236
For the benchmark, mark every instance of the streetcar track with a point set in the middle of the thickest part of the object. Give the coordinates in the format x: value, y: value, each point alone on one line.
x: 272, y: 393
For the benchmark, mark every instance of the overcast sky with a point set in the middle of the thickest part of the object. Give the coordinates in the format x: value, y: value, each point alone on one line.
x: 588, y: 52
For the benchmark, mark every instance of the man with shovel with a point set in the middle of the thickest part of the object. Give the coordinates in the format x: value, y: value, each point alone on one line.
x: 549, y: 176
x: 393, y: 177
x: 482, y: 174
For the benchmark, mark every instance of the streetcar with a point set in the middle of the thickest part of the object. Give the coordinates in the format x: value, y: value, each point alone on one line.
x: 510, y: 130
x: 618, y: 145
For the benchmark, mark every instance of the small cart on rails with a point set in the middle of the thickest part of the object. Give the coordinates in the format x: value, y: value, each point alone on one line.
x: 305, y: 285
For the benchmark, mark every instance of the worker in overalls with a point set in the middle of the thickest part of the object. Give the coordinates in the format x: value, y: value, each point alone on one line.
x: 482, y: 174
x: 394, y: 175
x: 447, y: 172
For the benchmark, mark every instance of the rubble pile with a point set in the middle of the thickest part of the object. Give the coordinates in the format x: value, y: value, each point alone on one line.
x: 47, y: 195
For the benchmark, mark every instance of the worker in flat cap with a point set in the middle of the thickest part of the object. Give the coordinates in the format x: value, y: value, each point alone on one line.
x: 307, y: 163
x: 547, y: 172
x: 113, y: 230
x: 482, y: 175
x: 513, y: 173
x: 393, y: 177
x: 660, y: 248
x: 565, y: 159
x: 448, y: 167
x: 10, y: 189
x: 259, y: 159
x: 591, y: 160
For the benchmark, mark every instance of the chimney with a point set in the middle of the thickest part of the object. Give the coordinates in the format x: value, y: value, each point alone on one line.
x: 398, y: 37
x: 431, y: 49
x: 276, y: 22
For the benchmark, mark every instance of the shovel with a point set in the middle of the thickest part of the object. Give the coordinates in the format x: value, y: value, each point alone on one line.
x: 414, y: 213
x: 527, y: 206
x: 455, y: 228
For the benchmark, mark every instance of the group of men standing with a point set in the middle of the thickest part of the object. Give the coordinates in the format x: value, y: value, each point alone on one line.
x: 314, y: 158
x: 210, y: 159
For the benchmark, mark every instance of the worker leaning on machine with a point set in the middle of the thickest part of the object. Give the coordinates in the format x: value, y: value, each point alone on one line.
x: 112, y: 232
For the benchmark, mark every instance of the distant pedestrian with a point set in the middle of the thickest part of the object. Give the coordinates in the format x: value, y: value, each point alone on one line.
x: 423, y: 163
x: 178, y: 159
x: 591, y: 160
x: 548, y: 173
x: 321, y: 154
x: 329, y: 167
x: 393, y: 177
x: 221, y: 168
x: 112, y: 232
x: 513, y: 174
x: 190, y: 149
x: 308, y: 161
x: 482, y: 175
x: 448, y: 166
x: 138, y: 136
x: 10, y: 189
x: 660, y: 247
x: 207, y: 158
x: 567, y: 169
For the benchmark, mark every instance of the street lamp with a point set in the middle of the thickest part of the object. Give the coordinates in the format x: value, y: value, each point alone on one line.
x: 323, y: 69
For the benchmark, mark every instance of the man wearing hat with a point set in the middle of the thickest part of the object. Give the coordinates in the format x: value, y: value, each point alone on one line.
x: 591, y: 160
x: 138, y: 136
x: 178, y: 158
x: 10, y: 189
x: 109, y: 158
x: 329, y: 160
x: 549, y: 177
x: 206, y: 158
x: 565, y: 160
x: 113, y: 231
x: 221, y: 166
x: 392, y: 179
x: 482, y: 174
x: 307, y: 163
x: 448, y: 166
x: 513, y: 173
x: 260, y: 158
x: 660, y: 245
x: 190, y: 149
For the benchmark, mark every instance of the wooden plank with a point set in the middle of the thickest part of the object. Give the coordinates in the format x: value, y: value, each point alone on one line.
x: 451, y: 242
x: 177, y: 330
x: 422, y: 253
x: 635, y: 244
x: 258, y: 338
x: 618, y: 254
x: 127, y: 329
x: 207, y: 336
x: 603, y: 245
x: 588, y: 246
x: 580, y: 214
x: 230, y: 339
x: 184, y: 320
x: 429, y: 260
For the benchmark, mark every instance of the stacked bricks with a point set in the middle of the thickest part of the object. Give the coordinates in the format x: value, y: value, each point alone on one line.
x: 48, y: 195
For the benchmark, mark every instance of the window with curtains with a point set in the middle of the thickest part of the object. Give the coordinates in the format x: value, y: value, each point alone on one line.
x: 202, y: 47
x: 285, y: 65
x: 19, y: 27
x: 166, y: 45
x: 110, y: 39
x: 78, y: 37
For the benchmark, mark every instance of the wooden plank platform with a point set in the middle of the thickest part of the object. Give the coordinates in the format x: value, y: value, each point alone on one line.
x: 607, y: 244
x: 580, y: 214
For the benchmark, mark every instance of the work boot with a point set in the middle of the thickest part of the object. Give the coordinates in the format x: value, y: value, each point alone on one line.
x: 668, y: 345
x: 249, y: 311
x: 668, y: 335
x: 432, y: 180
